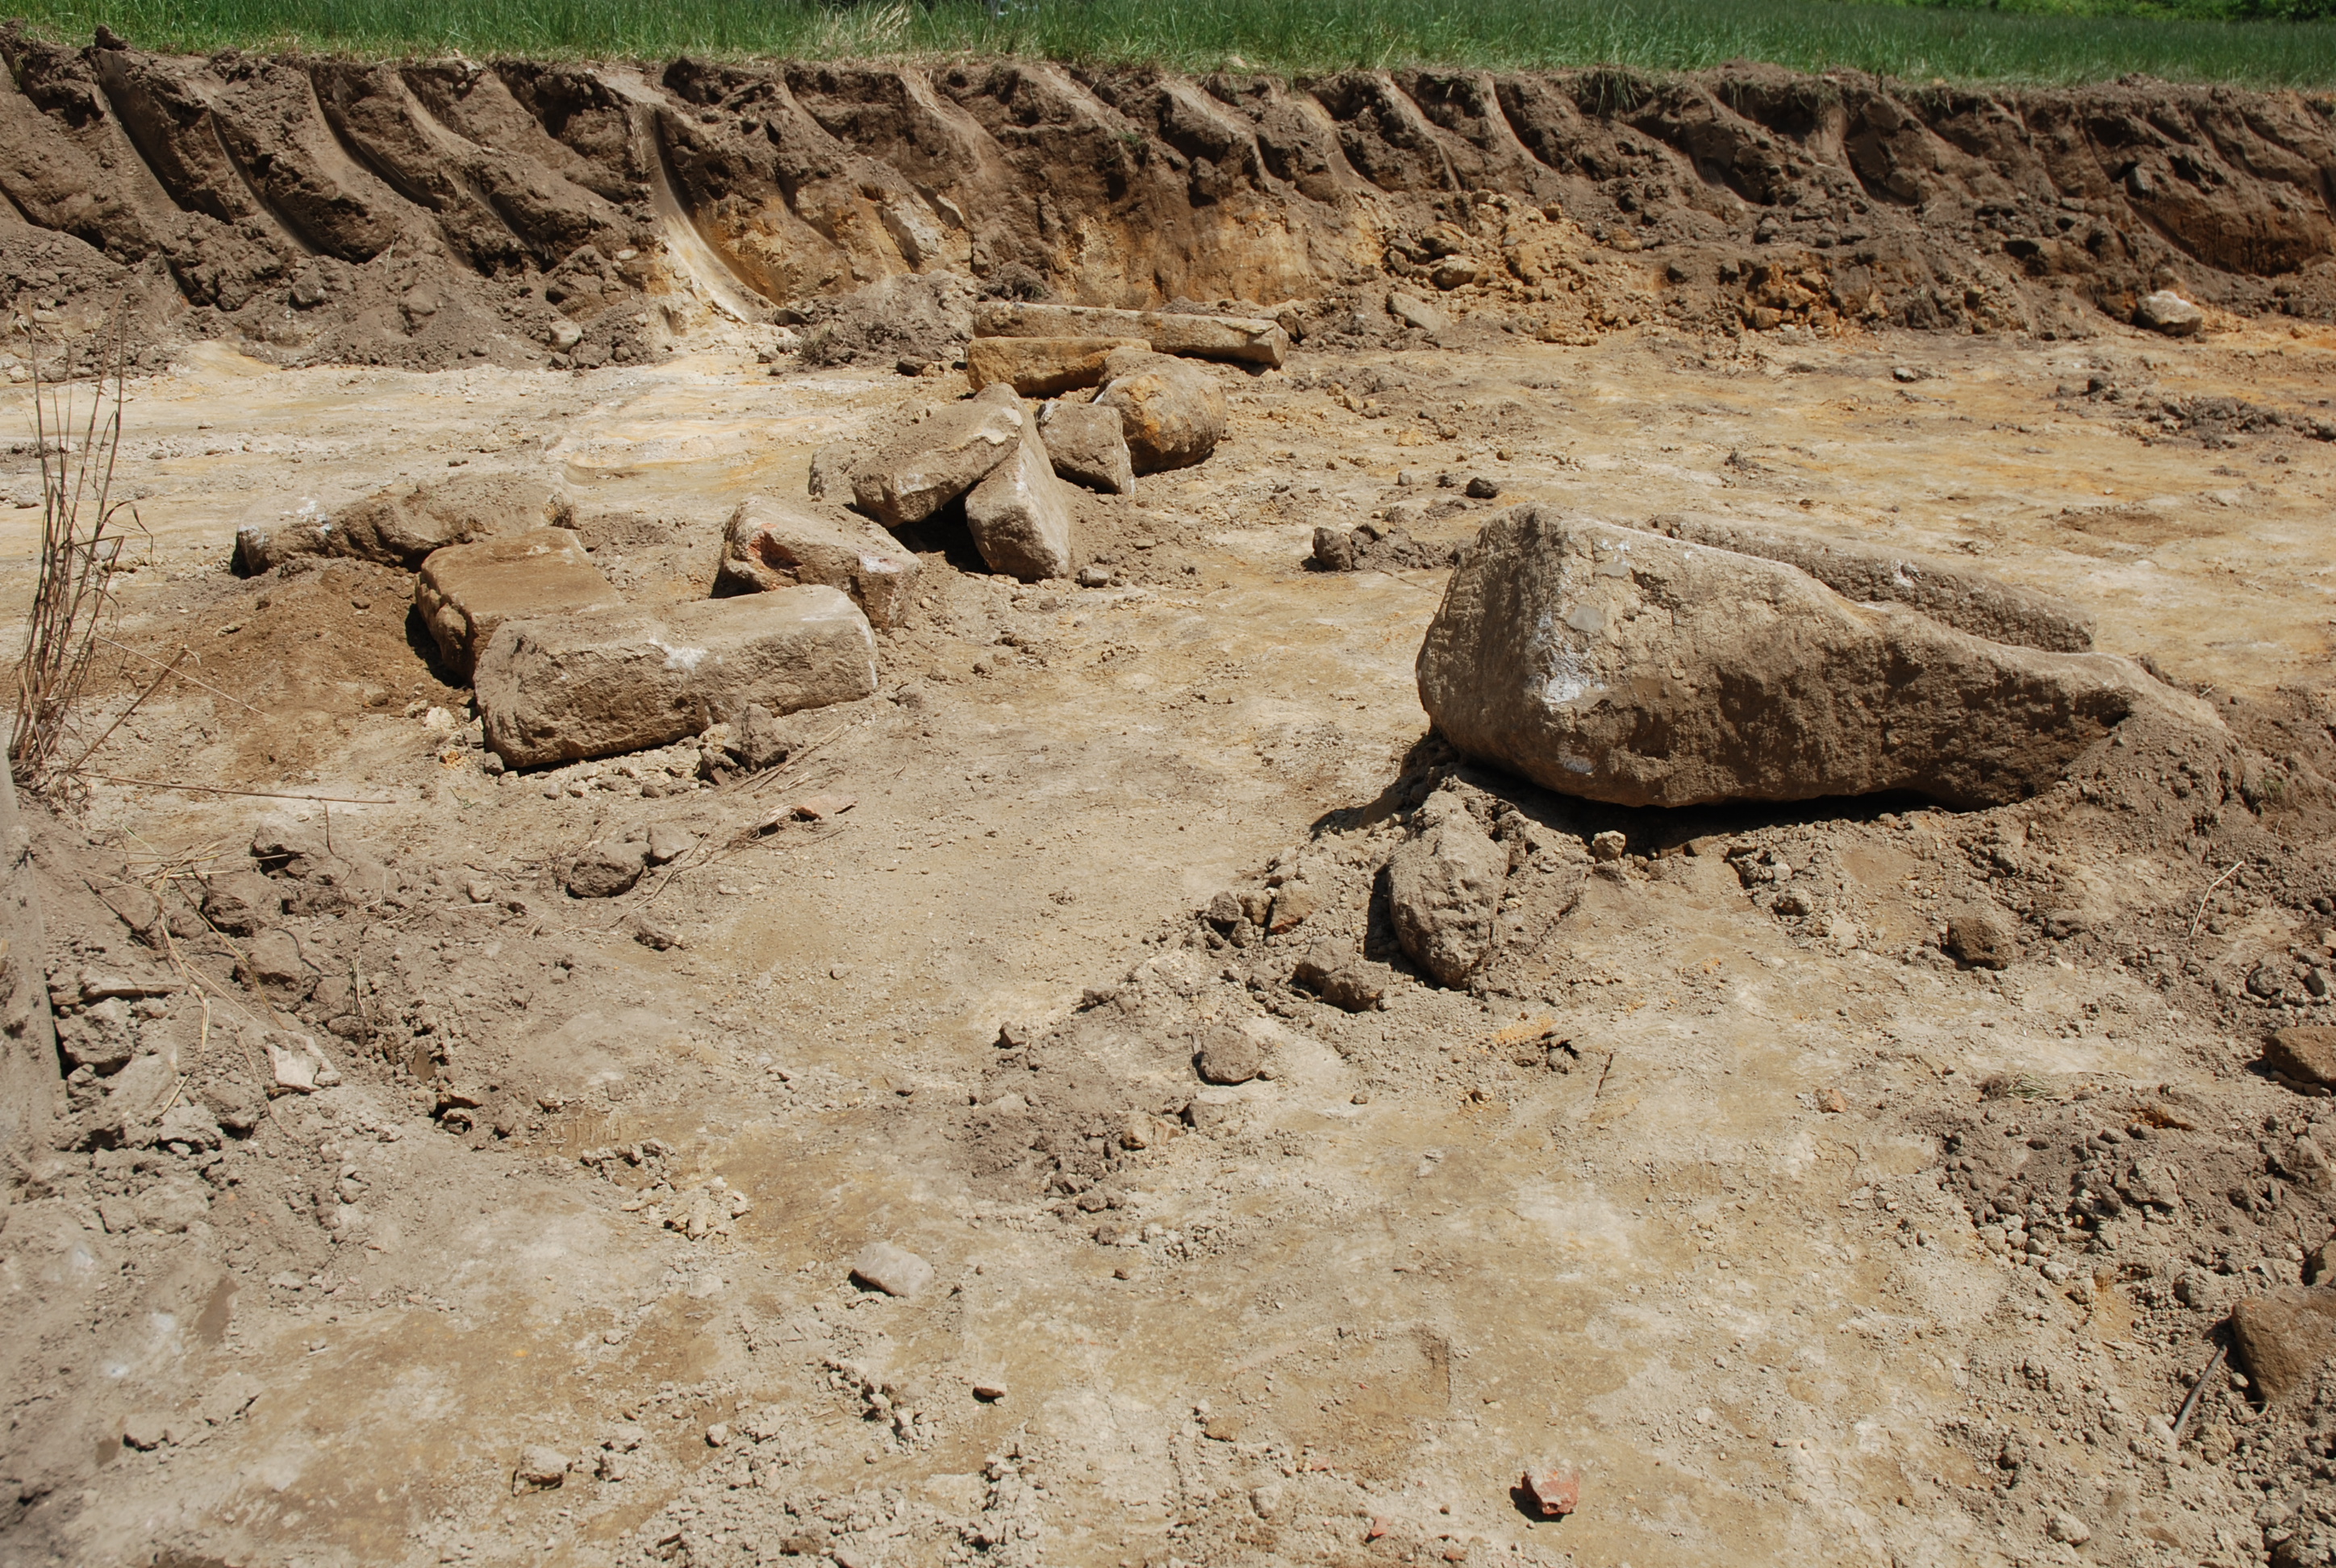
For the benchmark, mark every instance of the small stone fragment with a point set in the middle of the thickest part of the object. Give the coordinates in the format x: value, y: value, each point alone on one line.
x: 2066, y: 1526
x: 1228, y: 1056
x: 1609, y: 846
x: 989, y: 1393
x: 147, y: 1429
x: 2168, y: 312
x: 1482, y: 489
x: 1555, y: 1491
x: 895, y: 1270
x: 718, y: 1435
x: 1348, y: 982
x: 1444, y: 887
x: 541, y: 1467
x: 1414, y: 311
x: 606, y: 870
x: 1978, y: 938
x: 669, y: 841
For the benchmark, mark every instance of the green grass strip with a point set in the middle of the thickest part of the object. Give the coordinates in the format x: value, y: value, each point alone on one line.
x: 1290, y: 37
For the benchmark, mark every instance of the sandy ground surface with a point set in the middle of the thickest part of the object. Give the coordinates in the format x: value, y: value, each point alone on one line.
x: 1669, y: 1204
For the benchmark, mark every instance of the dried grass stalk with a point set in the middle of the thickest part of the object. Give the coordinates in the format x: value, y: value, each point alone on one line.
x: 80, y: 545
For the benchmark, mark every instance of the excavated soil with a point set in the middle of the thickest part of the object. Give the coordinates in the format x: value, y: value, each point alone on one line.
x: 1722, y: 1183
x: 436, y: 213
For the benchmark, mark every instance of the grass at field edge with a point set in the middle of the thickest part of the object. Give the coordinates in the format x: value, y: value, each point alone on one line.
x: 1291, y: 38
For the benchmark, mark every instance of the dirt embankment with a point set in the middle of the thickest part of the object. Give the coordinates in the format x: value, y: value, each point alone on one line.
x: 436, y: 211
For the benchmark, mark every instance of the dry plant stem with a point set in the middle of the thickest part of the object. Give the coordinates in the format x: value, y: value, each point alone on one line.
x: 2183, y: 1418
x: 2209, y: 893
x: 79, y: 549
x: 149, y: 658
x: 155, y: 784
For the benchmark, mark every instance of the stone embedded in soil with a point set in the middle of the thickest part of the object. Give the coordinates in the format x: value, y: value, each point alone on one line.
x: 1980, y: 938
x: 1172, y: 414
x: 1245, y: 339
x: 1949, y: 594
x: 540, y: 1467
x: 1020, y: 516
x: 1041, y: 366
x: 402, y: 525
x: 1228, y: 1056
x: 2304, y: 1053
x: 775, y: 542
x: 2168, y: 312
x: 242, y: 903
x: 1625, y: 667
x: 1088, y: 444
x: 1443, y: 889
x: 606, y: 870
x: 1414, y: 311
x: 929, y: 463
x: 595, y: 686
x: 465, y: 591
x: 1348, y: 982
x: 893, y: 1270
x: 2284, y: 1337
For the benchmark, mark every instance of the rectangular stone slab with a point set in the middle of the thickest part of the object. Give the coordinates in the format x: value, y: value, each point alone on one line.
x: 1240, y: 338
x: 1041, y: 366
x: 466, y: 591
x: 565, y: 688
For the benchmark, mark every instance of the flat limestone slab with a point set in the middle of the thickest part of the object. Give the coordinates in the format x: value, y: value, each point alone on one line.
x: 465, y: 591
x: 568, y: 687
x: 1041, y: 366
x: 1248, y: 339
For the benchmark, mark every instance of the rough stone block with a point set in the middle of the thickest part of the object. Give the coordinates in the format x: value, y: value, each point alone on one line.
x: 772, y: 542
x: 402, y: 525
x: 1041, y: 366
x: 1247, y: 339
x: 561, y: 689
x: 466, y: 591
x: 933, y: 460
x: 1020, y: 516
x: 1624, y: 667
x: 1088, y: 444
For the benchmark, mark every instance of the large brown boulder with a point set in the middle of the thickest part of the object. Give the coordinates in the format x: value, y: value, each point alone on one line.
x: 773, y: 542
x: 1172, y: 413
x: 568, y: 687
x: 1625, y: 667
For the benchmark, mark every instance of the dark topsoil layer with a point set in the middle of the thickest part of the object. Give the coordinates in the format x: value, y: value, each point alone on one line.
x: 328, y: 210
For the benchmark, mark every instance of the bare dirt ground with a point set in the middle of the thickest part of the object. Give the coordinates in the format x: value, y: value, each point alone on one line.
x: 1689, y: 1190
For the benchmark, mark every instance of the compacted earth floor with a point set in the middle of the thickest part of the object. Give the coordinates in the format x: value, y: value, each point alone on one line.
x: 1723, y: 1187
